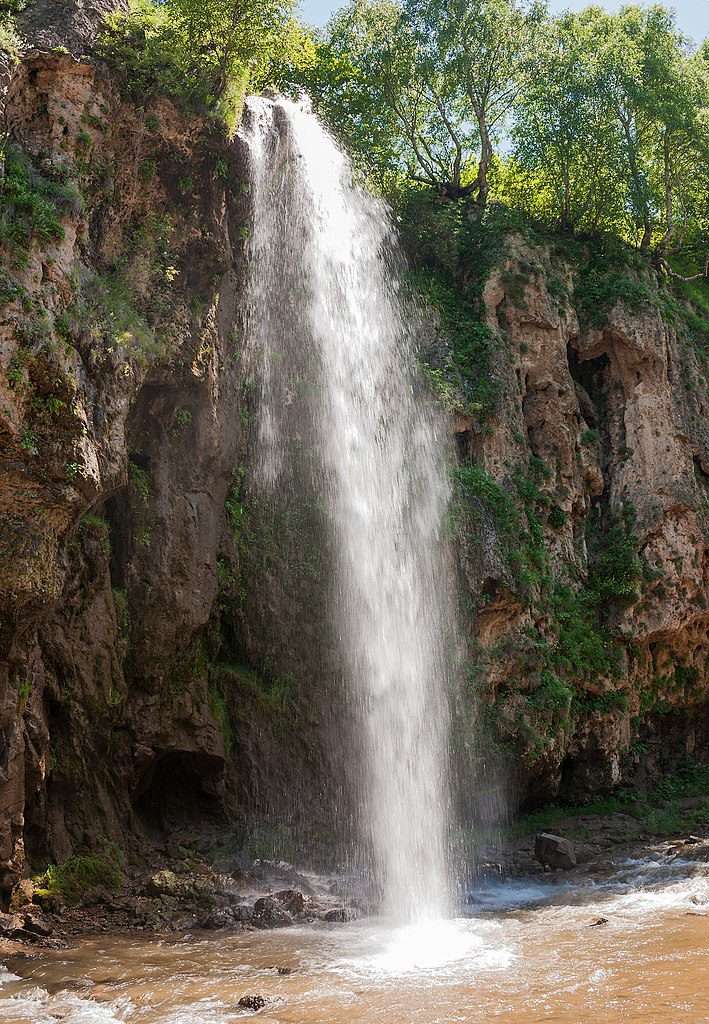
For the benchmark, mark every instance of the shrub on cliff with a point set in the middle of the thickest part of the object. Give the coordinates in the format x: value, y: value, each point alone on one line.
x: 205, y: 54
x: 31, y: 204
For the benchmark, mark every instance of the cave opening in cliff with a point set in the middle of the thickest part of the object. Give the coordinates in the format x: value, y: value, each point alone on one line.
x: 180, y: 789
x: 589, y: 376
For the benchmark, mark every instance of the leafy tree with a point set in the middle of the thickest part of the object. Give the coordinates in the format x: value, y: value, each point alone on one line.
x: 422, y: 90
x: 479, y: 49
x: 401, y: 116
x: 610, y: 126
x: 229, y: 35
x: 641, y: 74
x: 566, y: 143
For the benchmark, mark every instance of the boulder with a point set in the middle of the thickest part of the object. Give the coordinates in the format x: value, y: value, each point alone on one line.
x: 340, y: 915
x: 164, y: 883
x: 268, y: 913
x: 694, y: 849
x: 553, y: 851
x: 242, y: 913
x: 291, y: 899
x: 11, y: 926
x: 36, y: 924
x: 222, y: 917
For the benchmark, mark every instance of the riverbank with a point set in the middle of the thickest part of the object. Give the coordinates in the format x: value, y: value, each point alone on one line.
x: 195, y: 883
x: 632, y: 946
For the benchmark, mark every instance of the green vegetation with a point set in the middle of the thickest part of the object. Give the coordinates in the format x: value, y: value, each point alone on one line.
x: 139, y: 480
x: 657, y: 811
x: 107, y: 305
x: 220, y: 713
x: 120, y: 604
x: 99, y: 526
x: 182, y: 418
x: 83, y: 877
x: 273, y: 692
x: 10, y: 40
x: 575, y: 647
x: 203, y: 54
x: 602, y: 116
x: 31, y: 204
x: 24, y: 691
x: 467, y: 381
x: 234, y: 505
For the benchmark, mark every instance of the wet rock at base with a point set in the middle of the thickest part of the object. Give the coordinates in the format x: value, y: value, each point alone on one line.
x: 554, y: 851
x: 11, y: 925
x: 252, y: 1003
x: 340, y: 915
x: 291, y: 900
x: 268, y: 913
x: 37, y: 925
x: 693, y: 849
x: 27, y: 927
x: 163, y: 883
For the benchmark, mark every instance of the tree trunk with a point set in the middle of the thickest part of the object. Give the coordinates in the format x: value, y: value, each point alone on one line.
x: 669, y: 193
x: 486, y: 153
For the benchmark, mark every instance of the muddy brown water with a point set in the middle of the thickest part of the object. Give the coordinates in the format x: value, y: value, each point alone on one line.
x: 529, y: 954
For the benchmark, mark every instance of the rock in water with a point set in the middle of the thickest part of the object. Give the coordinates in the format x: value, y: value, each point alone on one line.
x: 252, y: 1003
x: 341, y: 915
x: 553, y: 851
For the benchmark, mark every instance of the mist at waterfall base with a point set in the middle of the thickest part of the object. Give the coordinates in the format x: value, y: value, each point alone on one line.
x: 331, y: 344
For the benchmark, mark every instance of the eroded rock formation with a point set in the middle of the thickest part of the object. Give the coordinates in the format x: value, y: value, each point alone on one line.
x: 162, y: 648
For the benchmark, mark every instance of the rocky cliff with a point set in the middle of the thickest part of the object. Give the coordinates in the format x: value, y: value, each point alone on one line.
x: 163, y: 653
x: 582, y: 522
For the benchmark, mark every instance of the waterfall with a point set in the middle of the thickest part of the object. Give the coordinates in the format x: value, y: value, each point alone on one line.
x: 334, y: 344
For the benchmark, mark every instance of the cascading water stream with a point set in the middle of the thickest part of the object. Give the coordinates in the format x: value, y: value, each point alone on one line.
x: 329, y: 330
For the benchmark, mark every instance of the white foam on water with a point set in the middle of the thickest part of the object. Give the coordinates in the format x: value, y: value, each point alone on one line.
x: 38, y: 1006
x: 425, y: 952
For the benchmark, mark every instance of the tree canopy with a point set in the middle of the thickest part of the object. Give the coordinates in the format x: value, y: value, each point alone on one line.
x: 590, y: 121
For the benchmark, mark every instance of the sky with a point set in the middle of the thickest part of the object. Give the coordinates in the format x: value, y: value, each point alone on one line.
x: 692, y: 15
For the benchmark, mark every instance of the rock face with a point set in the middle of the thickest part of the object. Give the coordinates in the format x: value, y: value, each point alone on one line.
x: 126, y: 704
x: 601, y: 438
x: 163, y: 651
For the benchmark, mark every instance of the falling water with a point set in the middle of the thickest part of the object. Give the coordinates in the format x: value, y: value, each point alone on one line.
x: 333, y: 337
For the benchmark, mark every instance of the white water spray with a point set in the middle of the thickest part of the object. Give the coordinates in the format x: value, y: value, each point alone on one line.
x: 324, y: 295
